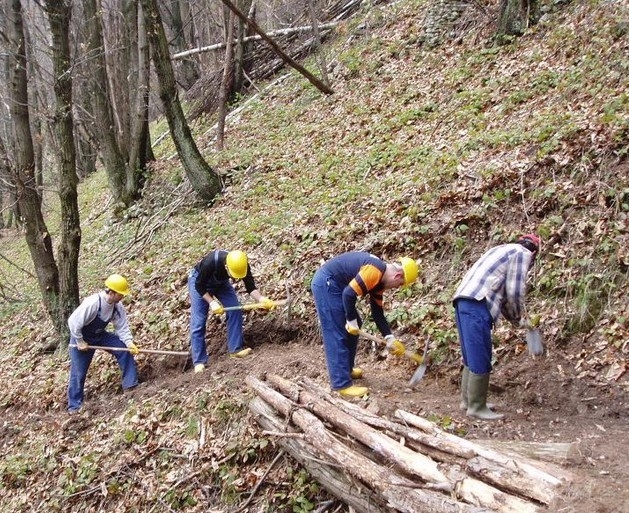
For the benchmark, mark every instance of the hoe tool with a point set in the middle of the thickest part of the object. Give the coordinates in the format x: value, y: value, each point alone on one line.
x: 422, y: 360
x: 254, y: 306
x: 140, y: 350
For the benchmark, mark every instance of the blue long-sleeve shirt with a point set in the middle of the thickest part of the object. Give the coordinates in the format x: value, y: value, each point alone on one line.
x: 360, y: 273
x: 499, y: 277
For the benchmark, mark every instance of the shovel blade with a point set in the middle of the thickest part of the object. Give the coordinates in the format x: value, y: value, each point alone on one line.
x: 534, y: 342
x: 419, y: 374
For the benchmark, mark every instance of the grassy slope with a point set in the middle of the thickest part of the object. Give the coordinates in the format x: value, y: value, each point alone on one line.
x: 436, y: 154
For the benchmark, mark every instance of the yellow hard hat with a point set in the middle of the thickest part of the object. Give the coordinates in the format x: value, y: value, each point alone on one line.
x: 237, y: 264
x: 118, y: 284
x: 410, y: 269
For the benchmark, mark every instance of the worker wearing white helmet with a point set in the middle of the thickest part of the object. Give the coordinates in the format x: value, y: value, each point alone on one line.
x: 87, y: 328
x: 210, y: 287
x: 336, y: 286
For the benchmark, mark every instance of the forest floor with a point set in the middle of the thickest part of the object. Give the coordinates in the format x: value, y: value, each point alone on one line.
x: 541, y: 398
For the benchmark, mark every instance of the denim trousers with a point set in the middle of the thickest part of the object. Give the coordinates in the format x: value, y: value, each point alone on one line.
x: 339, y: 346
x: 474, y: 324
x: 80, y: 363
x: 199, y: 309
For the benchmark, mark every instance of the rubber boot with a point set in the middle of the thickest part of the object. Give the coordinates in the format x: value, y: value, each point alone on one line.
x: 477, y: 387
x: 465, y: 375
x: 464, y: 380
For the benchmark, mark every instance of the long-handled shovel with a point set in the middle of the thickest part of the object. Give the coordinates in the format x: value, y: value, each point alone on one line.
x: 254, y: 306
x: 419, y: 359
x: 140, y: 350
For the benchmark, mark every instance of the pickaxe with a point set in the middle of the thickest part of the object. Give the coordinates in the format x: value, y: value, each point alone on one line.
x: 140, y: 350
x: 419, y: 359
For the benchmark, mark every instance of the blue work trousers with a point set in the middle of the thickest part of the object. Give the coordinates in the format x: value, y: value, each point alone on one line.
x: 338, y: 344
x: 80, y: 363
x: 474, y: 323
x: 225, y: 293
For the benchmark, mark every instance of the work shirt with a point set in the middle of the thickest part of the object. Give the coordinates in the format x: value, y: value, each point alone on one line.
x: 360, y: 273
x: 97, y: 305
x: 499, y: 278
x: 213, y: 268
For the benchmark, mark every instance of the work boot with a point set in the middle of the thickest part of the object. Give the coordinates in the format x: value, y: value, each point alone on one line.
x: 243, y: 353
x: 357, y: 373
x: 199, y: 367
x: 477, y: 387
x: 353, y: 391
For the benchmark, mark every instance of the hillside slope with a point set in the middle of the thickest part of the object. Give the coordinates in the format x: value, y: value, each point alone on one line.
x: 437, y: 154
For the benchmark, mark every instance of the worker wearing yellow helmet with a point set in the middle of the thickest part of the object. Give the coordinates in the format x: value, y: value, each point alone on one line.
x: 210, y: 287
x: 336, y: 286
x: 87, y: 328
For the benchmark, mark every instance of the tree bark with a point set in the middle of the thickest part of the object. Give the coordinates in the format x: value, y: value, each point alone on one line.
x: 37, y: 237
x: 514, y: 17
x: 226, y: 83
x: 203, y: 179
x: 59, y: 13
x: 336, y: 482
x: 398, y: 491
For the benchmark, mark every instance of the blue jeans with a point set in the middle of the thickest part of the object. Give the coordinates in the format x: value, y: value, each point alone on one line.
x: 474, y: 323
x: 339, y: 346
x: 199, y: 309
x: 80, y: 363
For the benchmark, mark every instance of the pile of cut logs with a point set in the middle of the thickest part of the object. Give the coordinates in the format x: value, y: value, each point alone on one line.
x: 408, y: 464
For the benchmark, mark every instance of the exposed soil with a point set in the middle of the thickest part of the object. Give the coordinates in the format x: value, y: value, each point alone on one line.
x: 542, y: 398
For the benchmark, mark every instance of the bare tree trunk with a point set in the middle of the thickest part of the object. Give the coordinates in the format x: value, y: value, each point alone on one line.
x: 226, y: 82
x: 514, y: 17
x: 37, y: 236
x: 59, y: 13
x: 203, y: 179
x: 186, y: 70
x: 311, y: 78
x: 242, y: 48
x: 101, y: 103
x: 317, y: 38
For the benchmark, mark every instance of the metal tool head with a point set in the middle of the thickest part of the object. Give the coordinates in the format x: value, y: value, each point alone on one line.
x: 421, y: 370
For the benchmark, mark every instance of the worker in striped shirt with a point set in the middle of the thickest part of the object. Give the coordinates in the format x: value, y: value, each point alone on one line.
x: 494, y: 286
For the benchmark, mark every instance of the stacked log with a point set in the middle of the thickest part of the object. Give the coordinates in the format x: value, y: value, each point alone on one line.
x: 407, y: 464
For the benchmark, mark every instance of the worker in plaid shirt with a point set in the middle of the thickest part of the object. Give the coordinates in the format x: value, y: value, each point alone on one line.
x: 495, y: 285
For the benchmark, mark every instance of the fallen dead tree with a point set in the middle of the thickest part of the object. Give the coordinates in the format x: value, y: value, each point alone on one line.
x: 409, y: 464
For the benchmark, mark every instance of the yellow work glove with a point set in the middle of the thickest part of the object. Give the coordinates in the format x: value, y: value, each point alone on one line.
x: 81, y: 345
x: 352, y: 327
x: 267, y: 303
x: 133, y: 349
x: 395, y: 347
x: 217, y: 307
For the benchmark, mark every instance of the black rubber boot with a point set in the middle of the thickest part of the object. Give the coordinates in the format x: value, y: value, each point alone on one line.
x: 477, y: 387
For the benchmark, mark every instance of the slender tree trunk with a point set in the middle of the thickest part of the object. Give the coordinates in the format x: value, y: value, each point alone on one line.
x: 226, y: 83
x: 103, y: 113
x: 37, y: 236
x: 59, y: 13
x: 203, y: 179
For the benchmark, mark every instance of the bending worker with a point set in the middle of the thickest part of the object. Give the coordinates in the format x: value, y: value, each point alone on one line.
x: 336, y: 286
x: 495, y: 285
x: 87, y: 327
x: 210, y: 288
